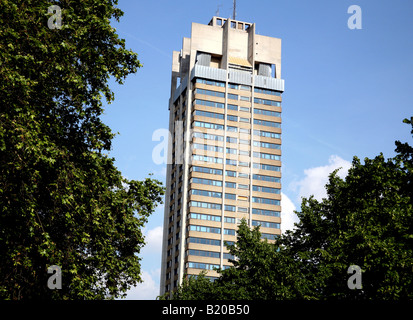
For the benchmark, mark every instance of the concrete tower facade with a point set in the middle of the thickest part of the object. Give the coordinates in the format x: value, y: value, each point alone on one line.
x: 224, y: 160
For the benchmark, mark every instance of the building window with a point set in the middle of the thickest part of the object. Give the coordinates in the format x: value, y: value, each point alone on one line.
x: 269, y: 236
x: 209, y: 103
x: 206, y: 205
x: 210, y: 93
x: 211, y: 82
x: 207, y: 136
x: 267, y: 112
x: 266, y: 189
x: 208, y: 125
x: 267, y: 156
x: 267, y: 123
x: 264, y: 212
x: 208, y: 217
x: 207, y: 182
x: 266, y: 201
x: 267, y: 134
x: 206, y: 170
x: 204, y: 229
x: 267, y: 91
x: 232, y: 96
x: 229, y: 208
x: 265, y: 178
x: 266, y: 167
x: 201, y: 158
x: 203, y: 253
x: 230, y: 173
x: 230, y: 196
x: 230, y: 185
x: 229, y: 220
x: 230, y: 232
x: 267, y: 145
x: 211, y: 242
x: 205, y: 193
x: 206, y: 266
x: 207, y: 147
x: 208, y: 114
x: 266, y: 224
x: 231, y: 162
x: 267, y: 102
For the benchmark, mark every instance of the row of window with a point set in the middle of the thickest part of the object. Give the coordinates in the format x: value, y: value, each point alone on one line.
x: 232, y: 162
x: 231, y: 196
x: 231, y: 232
x: 267, y: 134
x: 193, y: 227
x: 260, y: 166
x: 217, y: 206
x: 206, y: 193
x: 211, y: 82
x: 236, y: 118
x: 209, y: 103
x: 216, y: 126
x: 210, y: 217
x: 231, y: 208
x: 266, y: 224
x: 267, y: 102
x: 266, y: 145
x: 267, y: 123
x: 209, y: 254
x: 267, y: 156
x: 238, y: 87
x: 208, y: 147
x: 237, y: 97
x: 266, y: 189
x: 231, y: 173
x: 267, y: 112
x: 210, y: 93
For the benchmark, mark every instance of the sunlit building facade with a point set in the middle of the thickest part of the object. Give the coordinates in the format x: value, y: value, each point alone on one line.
x: 224, y: 160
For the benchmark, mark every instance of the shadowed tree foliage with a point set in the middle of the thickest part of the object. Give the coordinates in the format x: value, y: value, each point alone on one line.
x: 366, y: 220
x: 62, y: 200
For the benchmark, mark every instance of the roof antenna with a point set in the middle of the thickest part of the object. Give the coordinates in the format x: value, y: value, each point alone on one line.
x: 234, y: 12
x: 217, y: 12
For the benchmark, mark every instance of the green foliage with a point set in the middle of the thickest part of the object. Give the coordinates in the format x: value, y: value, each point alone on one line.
x: 63, y: 202
x: 366, y: 220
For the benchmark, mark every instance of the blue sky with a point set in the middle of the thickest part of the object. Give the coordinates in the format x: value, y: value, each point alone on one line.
x: 346, y: 91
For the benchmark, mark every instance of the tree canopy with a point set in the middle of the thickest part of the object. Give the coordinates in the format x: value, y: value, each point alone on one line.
x: 366, y: 220
x: 62, y: 200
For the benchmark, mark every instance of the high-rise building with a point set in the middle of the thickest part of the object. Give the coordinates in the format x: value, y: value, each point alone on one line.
x: 224, y: 160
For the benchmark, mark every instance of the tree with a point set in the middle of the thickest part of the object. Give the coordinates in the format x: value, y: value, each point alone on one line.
x: 63, y: 201
x: 366, y: 220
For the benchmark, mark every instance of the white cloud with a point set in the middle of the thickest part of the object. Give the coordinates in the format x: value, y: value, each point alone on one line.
x: 316, y: 178
x: 288, y: 217
x: 148, y: 289
x: 153, y: 240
